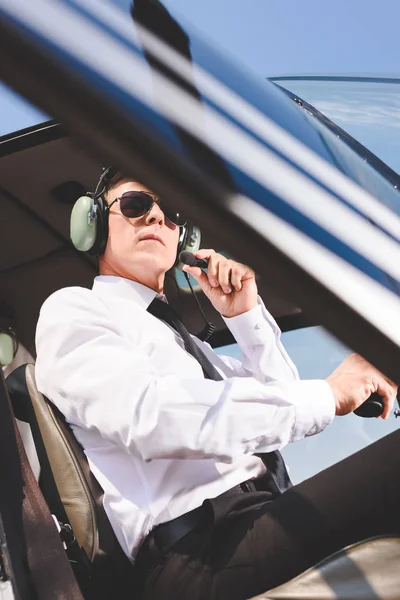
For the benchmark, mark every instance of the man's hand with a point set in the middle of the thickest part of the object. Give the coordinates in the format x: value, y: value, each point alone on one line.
x: 230, y: 286
x: 355, y: 380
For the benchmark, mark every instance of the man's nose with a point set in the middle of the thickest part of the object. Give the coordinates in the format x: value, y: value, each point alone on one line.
x: 155, y: 215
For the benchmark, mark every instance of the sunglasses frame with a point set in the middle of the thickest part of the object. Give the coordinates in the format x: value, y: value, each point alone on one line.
x: 153, y: 200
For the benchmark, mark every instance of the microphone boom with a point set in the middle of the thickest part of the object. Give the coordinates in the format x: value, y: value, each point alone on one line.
x: 189, y: 259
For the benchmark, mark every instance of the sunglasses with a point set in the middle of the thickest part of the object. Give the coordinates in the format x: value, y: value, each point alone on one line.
x: 136, y: 204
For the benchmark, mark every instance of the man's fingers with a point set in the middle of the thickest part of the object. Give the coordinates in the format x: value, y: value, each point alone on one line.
x: 205, y: 253
x: 236, y: 278
x: 389, y: 396
x: 213, y: 265
x: 224, y: 272
x: 199, y: 276
x: 387, y: 393
x: 218, y: 269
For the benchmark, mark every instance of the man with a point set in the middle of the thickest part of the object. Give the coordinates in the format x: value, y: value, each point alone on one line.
x: 175, y: 451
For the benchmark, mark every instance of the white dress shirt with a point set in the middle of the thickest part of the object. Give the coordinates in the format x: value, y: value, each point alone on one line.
x: 159, y: 437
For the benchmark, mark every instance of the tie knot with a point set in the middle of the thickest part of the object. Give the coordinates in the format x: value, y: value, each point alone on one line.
x: 162, y: 310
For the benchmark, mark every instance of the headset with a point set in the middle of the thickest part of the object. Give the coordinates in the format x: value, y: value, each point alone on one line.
x: 89, y: 233
x: 89, y: 223
x: 8, y: 336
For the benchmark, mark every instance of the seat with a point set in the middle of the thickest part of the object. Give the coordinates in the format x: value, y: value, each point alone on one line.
x: 368, y: 570
x: 103, y: 564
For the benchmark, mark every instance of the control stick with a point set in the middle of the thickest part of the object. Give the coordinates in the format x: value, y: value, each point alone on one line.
x: 373, y: 406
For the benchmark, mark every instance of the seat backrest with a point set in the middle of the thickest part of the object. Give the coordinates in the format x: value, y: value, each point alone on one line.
x: 79, y: 491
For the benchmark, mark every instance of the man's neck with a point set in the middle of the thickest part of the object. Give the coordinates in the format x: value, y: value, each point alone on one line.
x: 156, y: 283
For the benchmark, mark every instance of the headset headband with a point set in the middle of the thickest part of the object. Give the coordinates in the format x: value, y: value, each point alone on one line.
x: 89, y: 222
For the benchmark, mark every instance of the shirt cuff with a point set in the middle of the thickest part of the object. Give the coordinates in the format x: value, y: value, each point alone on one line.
x: 315, y: 406
x: 251, y: 328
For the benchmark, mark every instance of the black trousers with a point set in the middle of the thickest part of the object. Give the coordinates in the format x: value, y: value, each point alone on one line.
x: 248, y: 545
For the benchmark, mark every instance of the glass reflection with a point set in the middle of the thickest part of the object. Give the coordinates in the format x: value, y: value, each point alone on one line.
x: 369, y: 111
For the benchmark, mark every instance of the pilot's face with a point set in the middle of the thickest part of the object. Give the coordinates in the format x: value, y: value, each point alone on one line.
x: 142, y: 248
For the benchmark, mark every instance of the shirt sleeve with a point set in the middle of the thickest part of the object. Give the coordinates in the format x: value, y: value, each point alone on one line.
x: 104, y: 383
x: 259, y: 338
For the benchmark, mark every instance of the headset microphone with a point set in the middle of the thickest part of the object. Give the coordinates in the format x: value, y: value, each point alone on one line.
x: 189, y: 259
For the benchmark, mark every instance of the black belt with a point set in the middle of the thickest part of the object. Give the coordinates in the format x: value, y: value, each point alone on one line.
x: 164, y: 536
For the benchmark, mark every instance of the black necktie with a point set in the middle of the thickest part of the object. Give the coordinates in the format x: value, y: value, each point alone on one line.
x: 274, y: 462
x: 164, y: 311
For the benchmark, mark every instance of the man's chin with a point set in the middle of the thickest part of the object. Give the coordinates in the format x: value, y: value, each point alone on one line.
x: 147, y: 263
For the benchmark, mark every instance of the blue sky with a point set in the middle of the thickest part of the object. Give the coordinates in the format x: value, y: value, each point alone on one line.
x: 278, y: 37
x: 272, y: 37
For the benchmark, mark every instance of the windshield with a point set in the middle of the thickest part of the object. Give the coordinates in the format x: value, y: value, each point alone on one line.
x: 368, y: 109
x: 353, y: 165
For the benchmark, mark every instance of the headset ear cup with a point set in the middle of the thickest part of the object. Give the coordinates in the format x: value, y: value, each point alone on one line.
x: 8, y: 348
x: 83, y: 227
x: 189, y: 241
x: 89, y: 225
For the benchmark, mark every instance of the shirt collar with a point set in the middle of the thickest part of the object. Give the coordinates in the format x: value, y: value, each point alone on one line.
x: 109, y: 285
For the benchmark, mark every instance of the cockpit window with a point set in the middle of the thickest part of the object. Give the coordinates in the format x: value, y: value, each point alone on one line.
x: 368, y: 108
x: 349, y: 162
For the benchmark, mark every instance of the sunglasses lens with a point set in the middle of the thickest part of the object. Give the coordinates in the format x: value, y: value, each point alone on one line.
x: 135, y: 204
x: 174, y: 217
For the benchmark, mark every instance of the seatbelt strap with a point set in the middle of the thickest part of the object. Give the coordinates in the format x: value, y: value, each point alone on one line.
x: 13, y: 552
x: 47, y: 562
x: 24, y: 411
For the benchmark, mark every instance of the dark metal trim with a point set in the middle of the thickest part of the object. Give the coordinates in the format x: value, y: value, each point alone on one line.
x: 30, y: 137
x: 353, y: 78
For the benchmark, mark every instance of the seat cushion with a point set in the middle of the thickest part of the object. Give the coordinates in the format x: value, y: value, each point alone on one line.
x: 369, y: 570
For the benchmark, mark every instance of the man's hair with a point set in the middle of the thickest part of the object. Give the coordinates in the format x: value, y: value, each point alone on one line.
x: 111, y: 183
